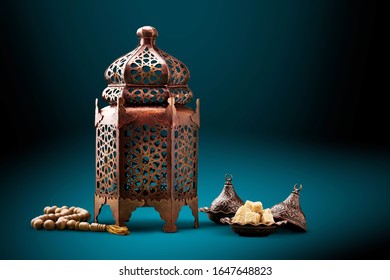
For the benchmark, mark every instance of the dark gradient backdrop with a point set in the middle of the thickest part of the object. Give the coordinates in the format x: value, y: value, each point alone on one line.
x: 291, y: 91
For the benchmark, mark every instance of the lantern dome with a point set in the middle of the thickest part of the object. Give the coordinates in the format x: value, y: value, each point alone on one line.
x: 147, y: 75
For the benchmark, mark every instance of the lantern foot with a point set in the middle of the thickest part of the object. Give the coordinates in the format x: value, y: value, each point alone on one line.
x: 193, y: 204
x: 99, y: 201
x: 127, y: 207
x: 115, y: 210
x: 123, y: 208
x: 169, y: 212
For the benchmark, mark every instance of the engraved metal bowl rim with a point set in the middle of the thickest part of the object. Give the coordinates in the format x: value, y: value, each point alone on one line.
x: 293, y: 223
x: 252, y: 231
x: 229, y: 221
x: 208, y: 210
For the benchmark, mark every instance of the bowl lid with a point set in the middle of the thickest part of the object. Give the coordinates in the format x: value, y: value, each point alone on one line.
x: 290, y: 210
x: 227, y: 201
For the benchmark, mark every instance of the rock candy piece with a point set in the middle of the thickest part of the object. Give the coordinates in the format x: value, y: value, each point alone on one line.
x: 253, y: 213
x: 267, y: 217
x: 239, y: 217
x: 267, y: 211
x: 248, y: 204
x: 254, y: 206
x: 257, y: 207
x: 252, y: 218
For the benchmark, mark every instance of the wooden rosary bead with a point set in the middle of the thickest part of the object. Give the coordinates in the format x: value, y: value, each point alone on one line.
x: 87, y: 216
x: 38, y: 223
x: 57, y: 215
x: 58, y: 210
x: 69, y: 217
x: 76, y: 225
x: 75, y: 217
x: 49, y: 225
x: 51, y: 210
x: 71, y: 209
x: 78, y: 217
x: 82, y: 216
x: 61, y: 224
x: 43, y: 217
x: 46, y: 217
x: 63, y: 219
x: 84, y: 226
x: 94, y: 226
x: 46, y: 209
x: 98, y: 227
x: 36, y: 218
x: 65, y: 212
x: 70, y: 224
x: 66, y: 217
x: 52, y: 216
x: 64, y: 207
x: 102, y: 227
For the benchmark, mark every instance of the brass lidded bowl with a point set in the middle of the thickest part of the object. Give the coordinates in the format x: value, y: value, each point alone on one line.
x: 226, y: 203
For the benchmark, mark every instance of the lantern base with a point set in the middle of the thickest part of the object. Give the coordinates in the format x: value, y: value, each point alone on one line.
x: 121, y: 208
x: 168, y: 209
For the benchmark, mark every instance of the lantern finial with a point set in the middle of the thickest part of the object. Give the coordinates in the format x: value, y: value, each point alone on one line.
x: 147, y: 32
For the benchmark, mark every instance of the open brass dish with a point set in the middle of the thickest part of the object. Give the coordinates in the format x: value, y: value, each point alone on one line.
x: 251, y: 230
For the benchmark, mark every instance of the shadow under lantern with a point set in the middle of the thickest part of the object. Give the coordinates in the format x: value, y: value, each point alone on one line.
x: 147, y: 139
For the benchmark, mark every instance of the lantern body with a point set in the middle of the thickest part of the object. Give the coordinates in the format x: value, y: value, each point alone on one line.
x: 147, y: 139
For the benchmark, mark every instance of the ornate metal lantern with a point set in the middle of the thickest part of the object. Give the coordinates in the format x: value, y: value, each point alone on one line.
x: 147, y: 139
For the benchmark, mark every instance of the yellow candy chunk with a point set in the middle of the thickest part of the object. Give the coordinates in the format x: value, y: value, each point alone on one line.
x: 257, y: 207
x: 252, y: 218
x: 267, y: 217
x: 239, y: 217
x: 254, y: 206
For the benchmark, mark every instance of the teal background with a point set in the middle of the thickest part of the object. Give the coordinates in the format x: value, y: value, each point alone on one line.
x: 291, y: 92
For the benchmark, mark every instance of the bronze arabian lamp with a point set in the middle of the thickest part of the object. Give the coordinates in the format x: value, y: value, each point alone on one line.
x: 147, y: 139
